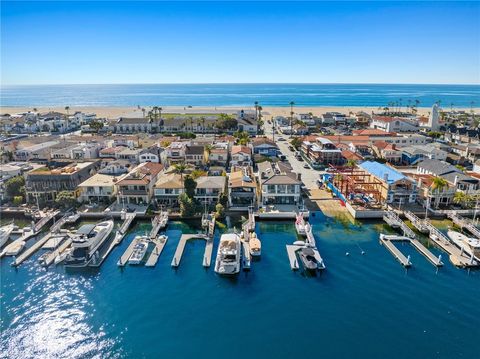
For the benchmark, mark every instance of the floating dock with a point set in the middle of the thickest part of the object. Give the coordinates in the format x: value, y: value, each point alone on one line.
x: 395, y: 251
x: 158, y: 223
x: 207, y: 257
x: 464, y: 223
x: 392, y: 219
x: 177, y: 257
x: 31, y: 250
x: 55, y: 253
x: 436, y: 261
x: 159, y: 243
x: 246, y: 255
x: 126, y: 255
x: 292, y: 256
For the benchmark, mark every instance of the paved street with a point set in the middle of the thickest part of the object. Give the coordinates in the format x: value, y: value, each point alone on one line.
x: 309, y: 176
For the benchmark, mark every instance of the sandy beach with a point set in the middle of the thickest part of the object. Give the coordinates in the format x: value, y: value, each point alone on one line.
x: 114, y: 112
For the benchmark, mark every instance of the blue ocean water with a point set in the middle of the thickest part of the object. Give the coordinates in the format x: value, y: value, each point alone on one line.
x: 362, y: 306
x: 238, y: 95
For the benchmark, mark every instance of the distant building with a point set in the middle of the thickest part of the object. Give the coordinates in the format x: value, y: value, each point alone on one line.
x: 38, y: 152
x: 433, y: 120
x: 322, y: 152
x: 394, y: 124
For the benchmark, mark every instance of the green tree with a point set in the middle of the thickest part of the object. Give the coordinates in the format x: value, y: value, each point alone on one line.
x: 242, y: 137
x: 296, y: 142
x: 438, y: 184
x: 219, y: 211
x: 17, y: 200
x: 66, y: 199
x: 180, y: 168
x: 190, y: 186
x: 223, y: 200
x: 187, y: 205
x: 96, y: 125
x: 15, y: 186
x: 226, y: 122
x: 197, y: 173
x: 351, y: 163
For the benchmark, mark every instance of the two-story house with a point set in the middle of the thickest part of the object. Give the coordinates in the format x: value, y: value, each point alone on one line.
x: 210, y: 188
x: 241, y: 156
x: 136, y: 187
x: 168, y: 188
x: 98, y: 188
x: 278, y: 185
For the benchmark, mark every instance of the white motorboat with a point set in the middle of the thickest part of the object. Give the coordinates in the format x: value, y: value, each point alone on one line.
x: 14, y: 248
x: 255, y: 245
x: 469, y: 245
x: 139, y: 250
x: 228, y: 254
x: 300, y: 225
x: 86, y: 242
x: 62, y: 256
x: 5, y: 232
x: 307, y: 256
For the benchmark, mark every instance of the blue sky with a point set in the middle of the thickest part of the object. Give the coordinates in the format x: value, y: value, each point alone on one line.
x: 215, y: 42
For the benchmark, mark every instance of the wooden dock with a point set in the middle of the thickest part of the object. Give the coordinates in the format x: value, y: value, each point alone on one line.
x: 31, y: 250
x: 177, y: 257
x: 246, y: 258
x: 292, y: 256
x: 159, y: 243
x: 392, y: 219
x: 395, y: 251
x: 158, y: 223
x: 126, y: 255
x: 207, y: 257
x: 464, y: 223
x: 55, y: 253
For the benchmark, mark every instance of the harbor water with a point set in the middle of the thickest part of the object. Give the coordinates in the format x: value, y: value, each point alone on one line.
x: 362, y: 306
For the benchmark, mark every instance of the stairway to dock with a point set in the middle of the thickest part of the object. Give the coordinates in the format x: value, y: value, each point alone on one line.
x: 392, y: 219
x: 464, y: 223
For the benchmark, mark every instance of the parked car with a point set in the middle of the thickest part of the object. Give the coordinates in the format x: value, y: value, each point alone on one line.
x: 281, y: 139
x: 306, y: 166
x: 291, y: 148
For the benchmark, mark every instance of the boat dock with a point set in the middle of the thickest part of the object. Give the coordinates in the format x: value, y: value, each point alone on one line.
x: 436, y: 261
x: 292, y: 256
x: 419, y: 224
x: 47, y: 217
x: 247, y: 259
x: 31, y: 250
x: 67, y: 218
x: 159, y: 243
x: 177, y: 257
x: 126, y: 255
x: 387, y: 241
x: 55, y: 253
x: 464, y: 223
x: 158, y: 223
x: 393, y: 220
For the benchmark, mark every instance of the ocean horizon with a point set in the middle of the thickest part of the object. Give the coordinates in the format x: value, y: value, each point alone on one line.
x: 234, y: 95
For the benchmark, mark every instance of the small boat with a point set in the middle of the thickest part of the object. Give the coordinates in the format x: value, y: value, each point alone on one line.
x: 228, y: 254
x: 139, y: 250
x: 469, y: 245
x: 307, y: 256
x: 255, y: 245
x: 300, y: 225
x: 62, y: 256
x: 43, y: 258
x: 5, y: 232
x: 14, y: 248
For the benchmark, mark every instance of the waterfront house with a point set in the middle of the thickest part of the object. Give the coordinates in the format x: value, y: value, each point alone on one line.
x: 210, y: 188
x: 195, y: 155
x: 136, y: 187
x: 431, y: 195
x: 242, y: 188
x: 265, y: 147
x: 451, y: 174
x: 167, y: 189
x: 396, y: 188
x: 241, y: 156
x: 43, y: 184
x: 98, y: 188
x: 278, y: 184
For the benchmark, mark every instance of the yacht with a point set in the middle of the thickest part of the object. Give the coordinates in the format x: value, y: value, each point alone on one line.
x: 228, y: 254
x: 5, y: 232
x: 471, y: 246
x: 139, y: 250
x: 307, y: 256
x: 86, y: 242
x: 300, y: 225
x: 255, y: 245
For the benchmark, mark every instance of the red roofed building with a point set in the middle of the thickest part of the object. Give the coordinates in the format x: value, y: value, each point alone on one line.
x: 387, y: 151
x: 351, y: 156
x: 394, y: 124
x: 241, y: 156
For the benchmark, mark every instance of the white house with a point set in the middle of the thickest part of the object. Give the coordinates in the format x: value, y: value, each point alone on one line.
x: 241, y: 156
x: 395, y: 124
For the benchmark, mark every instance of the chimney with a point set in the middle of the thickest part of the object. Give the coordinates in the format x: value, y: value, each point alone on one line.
x: 419, y: 182
x: 299, y: 176
x: 455, y: 181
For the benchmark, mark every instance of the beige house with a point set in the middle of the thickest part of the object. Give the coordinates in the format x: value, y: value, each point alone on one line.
x: 98, y: 188
x: 168, y: 188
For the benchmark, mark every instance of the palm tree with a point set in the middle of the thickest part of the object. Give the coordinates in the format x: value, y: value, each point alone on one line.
x: 67, y: 108
x: 143, y: 112
x: 462, y: 198
x: 256, y: 110
x: 35, y: 109
x: 351, y: 163
x: 180, y: 169
x: 291, y: 117
x: 438, y: 183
